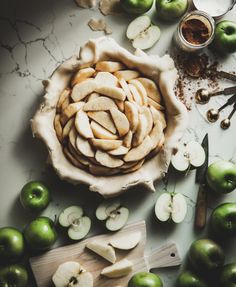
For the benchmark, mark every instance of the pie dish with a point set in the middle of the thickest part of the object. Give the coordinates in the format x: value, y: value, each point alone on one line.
x: 110, y: 119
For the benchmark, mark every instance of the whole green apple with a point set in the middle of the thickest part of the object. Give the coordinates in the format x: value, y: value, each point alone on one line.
x: 13, y: 276
x: 145, y: 279
x: 225, y: 37
x: 223, y: 220
x: 206, y: 255
x: 35, y: 196
x: 40, y: 234
x: 136, y: 6
x: 169, y: 10
x: 221, y: 176
x: 11, y: 244
x: 189, y: 279
x: 228, y: 275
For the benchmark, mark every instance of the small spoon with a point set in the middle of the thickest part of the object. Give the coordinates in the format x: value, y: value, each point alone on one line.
x: 213, y: 114
x: 203, y: 95
x: 225, y: 124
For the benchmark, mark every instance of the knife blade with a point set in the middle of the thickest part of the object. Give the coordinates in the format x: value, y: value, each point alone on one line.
x: 201, y: 204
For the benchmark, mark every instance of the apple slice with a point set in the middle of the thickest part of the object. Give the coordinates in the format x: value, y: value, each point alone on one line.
x: 79, y: 225
x: 107, y: 79
x: 81, y: 90
x: 119, y: 269
x: 104, y: 119
x: 106, y: 145
x: 131, y: 112
x: 101, y: 133
x: 104, y: 250
x: 121, y: 122
x: 107, y: 160
x: 109, y: 66
x: 151, y: 89
x: 137, y: 26
x: 139, y: 152
x: 115, y: 215
x: 142, y: 33
x: 126, y: 242
x: 127, y: 75
x: 82, y: 125
x: 188, y: 155
x: 99, y: 104
x: 171, y: 206
x: 122, y: 150
x: 111, y: 92
x: 82, y: 75
x: 72, y: 274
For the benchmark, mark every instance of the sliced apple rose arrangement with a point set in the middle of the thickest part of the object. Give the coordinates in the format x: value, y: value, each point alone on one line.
x: 110, y: 120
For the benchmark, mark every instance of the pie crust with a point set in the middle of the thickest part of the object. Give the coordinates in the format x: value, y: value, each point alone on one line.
x: 160, y: 69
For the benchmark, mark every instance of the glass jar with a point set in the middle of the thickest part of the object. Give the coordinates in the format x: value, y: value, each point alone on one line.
x: 195, y: 31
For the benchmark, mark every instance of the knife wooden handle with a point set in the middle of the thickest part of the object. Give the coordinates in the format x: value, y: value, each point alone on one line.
x: 201, y: 208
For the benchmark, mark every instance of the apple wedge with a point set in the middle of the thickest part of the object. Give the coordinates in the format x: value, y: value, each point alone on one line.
x: 188, y: 155
x: 106, y: 145
x: 109, y: 66
x: 99, y: 104
x: 63, y: 96
x: 101, y: 170
x: 141, y: 131
x: 113, y: 213
x: 91, y: 97
x: 139, y: 152
x: 131, y: 112
x: 141, y: 89
x: 106, y: 78
x: 171, y: 206
x: 68, y: 126
x: 127, y: 141
x: 72, y: 274
x: 58, y: 127
x: 126, y: 89
x: 119, y: 269
x: 78, y: 225
x: 122, y: 150
x: 104, y: 119
x: 101, y: 133
x: 70, y: 111
x: 82, y: 125
x: 151, y: 89
x: 126, y: 242
x: 84, y: 147
x: 127, y: 75
x: 107, y: 160
x: 111, y: 92
x: 82, y: 75
x: 104, y: 250
x: 81, y: 90
x: 135, y: 94
x: 121, y: 122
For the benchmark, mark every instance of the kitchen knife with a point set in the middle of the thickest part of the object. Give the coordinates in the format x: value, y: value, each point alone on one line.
x: 201, y: 205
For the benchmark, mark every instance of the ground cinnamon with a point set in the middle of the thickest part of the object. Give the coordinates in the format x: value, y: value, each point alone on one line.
x: 195, y: 31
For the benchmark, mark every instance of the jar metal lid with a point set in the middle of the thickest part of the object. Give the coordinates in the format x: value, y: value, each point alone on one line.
x: 216, y: 8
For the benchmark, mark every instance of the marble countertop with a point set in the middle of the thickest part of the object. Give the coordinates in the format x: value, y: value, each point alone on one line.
x: 35, y: 37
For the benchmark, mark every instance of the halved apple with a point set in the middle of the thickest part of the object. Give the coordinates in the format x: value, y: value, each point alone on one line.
x: 114, y: 213
x: 142, y: 33
x: 73, y: 218
x: 171, y: 206
x: 71, y: 274
x: 189, y: 155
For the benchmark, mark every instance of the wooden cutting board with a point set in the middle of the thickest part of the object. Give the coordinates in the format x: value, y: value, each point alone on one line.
x: 45, y: 265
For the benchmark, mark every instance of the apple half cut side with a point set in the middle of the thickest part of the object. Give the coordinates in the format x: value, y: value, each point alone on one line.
x: 115, y: 215
x: 126, y: 242
x: 171, y: 206
x: 119, y: 269
x: 188, y: 155
x: 72, y: 274
x: 104, y: 250
x: 78, y: 225
x: 142, y: 33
